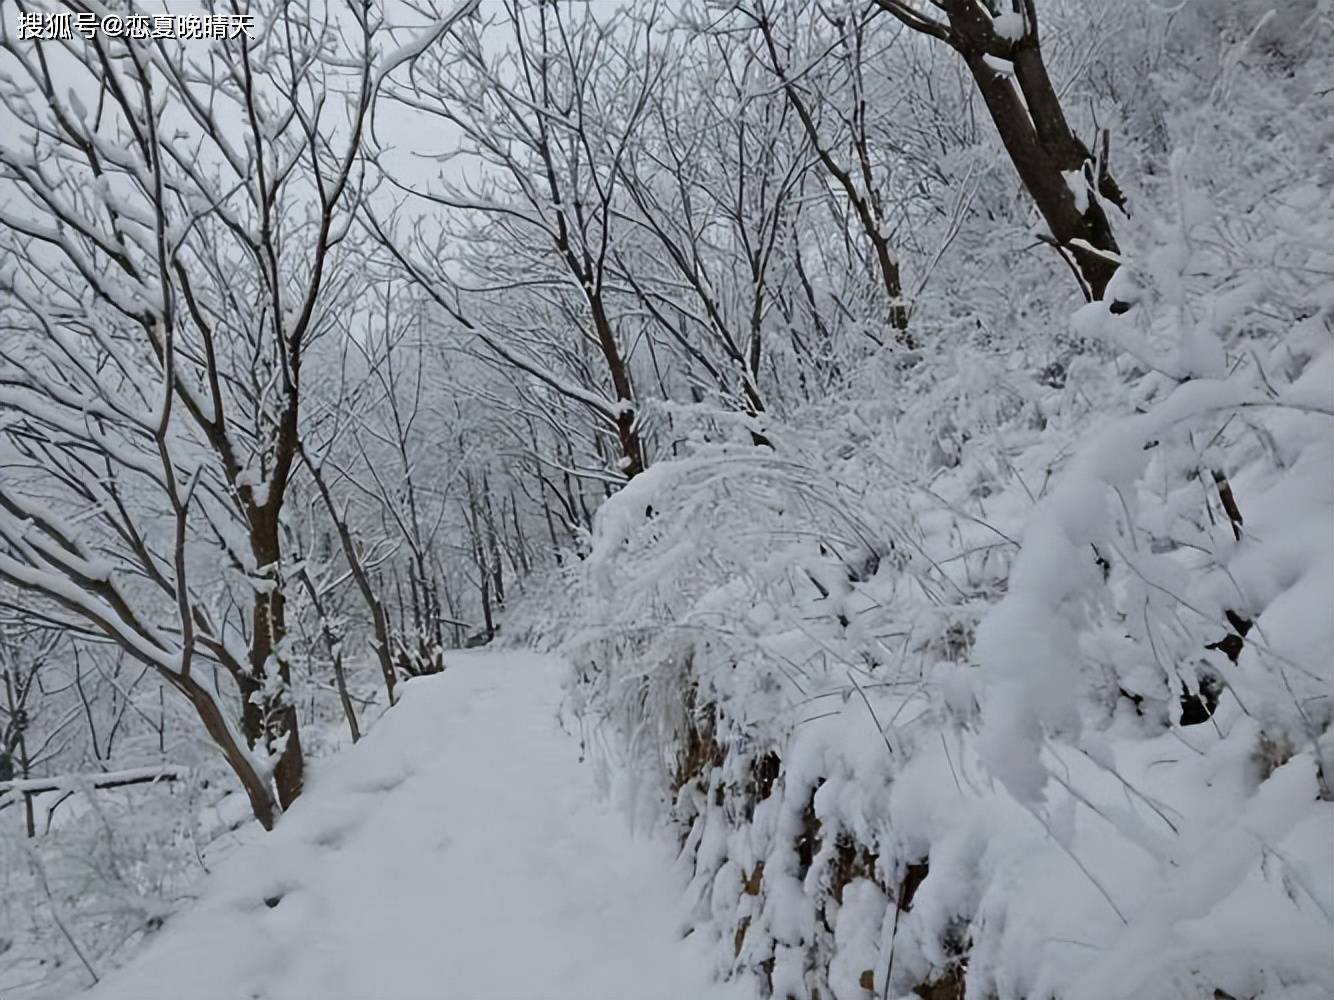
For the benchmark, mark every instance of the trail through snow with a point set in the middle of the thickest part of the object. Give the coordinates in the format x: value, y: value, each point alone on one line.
x: 459, y: 852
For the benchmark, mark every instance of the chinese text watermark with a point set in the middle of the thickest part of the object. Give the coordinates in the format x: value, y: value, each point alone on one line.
x: 39, y: 25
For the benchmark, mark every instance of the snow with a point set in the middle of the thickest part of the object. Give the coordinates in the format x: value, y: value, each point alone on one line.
x: 1079, y: 190
x: 101, y: 779
x: 1007, y: 661
x: 423, y: 39
x: 460, y: 850
x: 1009, y: 25
x: 1013, y: 728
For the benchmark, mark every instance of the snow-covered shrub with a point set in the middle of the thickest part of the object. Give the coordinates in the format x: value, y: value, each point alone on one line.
x: 1011, y: 677
x: 108, y: 869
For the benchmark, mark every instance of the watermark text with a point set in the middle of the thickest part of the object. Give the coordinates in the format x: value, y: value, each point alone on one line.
x: 39, y: 25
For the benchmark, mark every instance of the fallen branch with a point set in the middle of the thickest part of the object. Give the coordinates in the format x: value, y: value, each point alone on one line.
x: 82, y: 782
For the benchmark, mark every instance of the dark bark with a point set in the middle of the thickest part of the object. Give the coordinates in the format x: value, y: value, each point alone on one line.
x: 627, y: 430
x: 1037, y: 136
x: 215, y: 724
x: 109, y: 781
x: 1041, y: 172
x: 271, y: 719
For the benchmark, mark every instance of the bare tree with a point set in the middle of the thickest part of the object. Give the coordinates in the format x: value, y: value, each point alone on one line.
x: 855, y: 178
x: 1067, y: 181
x: 389, y: 462
x: 172, y: 224
x: 712, y: 179
x: 22, y: 657
x: 543, y: 127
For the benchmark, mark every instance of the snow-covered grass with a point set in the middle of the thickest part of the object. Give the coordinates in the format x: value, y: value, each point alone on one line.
x: 106, y: 869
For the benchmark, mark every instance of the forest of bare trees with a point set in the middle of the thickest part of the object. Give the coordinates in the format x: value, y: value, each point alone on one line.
x: 380, y: 330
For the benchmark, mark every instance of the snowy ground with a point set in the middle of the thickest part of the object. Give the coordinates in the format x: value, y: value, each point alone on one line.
x: 460, y: 852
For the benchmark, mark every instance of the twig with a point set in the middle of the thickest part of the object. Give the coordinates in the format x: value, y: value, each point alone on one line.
x: 867, y: 702
x: 40, y: 872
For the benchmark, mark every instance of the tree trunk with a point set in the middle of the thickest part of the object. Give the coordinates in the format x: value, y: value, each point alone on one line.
x: 1043, y: 175
x: 632, y: 449
x: 269, y: 716
x: 29, y: 816
x: 1027, y: 112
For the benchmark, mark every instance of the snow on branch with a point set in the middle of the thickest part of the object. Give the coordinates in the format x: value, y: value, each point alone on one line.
x: 83, y: 782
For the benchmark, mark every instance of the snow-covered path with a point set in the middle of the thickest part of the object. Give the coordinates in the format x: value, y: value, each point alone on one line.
x: 460, y: 852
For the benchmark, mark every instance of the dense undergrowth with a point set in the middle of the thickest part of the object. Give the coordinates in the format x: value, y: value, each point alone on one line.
x: 1006, y: 672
